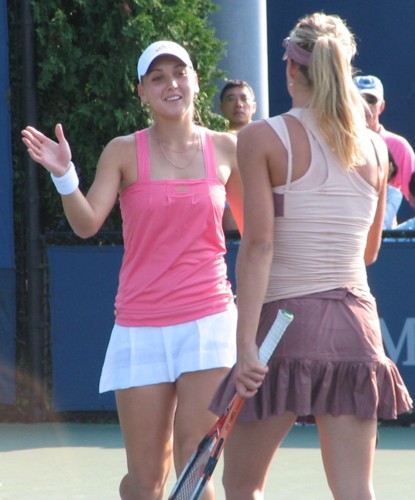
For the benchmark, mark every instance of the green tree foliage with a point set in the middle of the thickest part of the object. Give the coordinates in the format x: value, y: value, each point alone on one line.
x: 87, y: 53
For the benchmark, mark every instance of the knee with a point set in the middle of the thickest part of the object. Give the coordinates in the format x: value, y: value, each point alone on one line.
x: 184, y: 449
x: 352, y: 492
x: 134, y: 487
x: 241, y: 489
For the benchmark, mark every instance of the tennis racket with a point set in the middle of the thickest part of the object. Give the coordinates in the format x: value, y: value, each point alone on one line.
x: 202, y: 463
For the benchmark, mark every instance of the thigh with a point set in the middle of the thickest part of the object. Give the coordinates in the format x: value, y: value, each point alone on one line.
x: 146, y: 417
x: 195, y: 391
x: 348, y: 448
x: 249, y: 452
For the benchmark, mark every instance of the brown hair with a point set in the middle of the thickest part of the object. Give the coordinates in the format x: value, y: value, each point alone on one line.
x: 230, y: 84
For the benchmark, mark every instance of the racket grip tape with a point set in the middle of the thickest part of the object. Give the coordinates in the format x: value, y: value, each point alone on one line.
x: 274, y: 335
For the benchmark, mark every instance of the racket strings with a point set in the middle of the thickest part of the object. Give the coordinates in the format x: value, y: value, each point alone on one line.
x: 191, y: 476
x: 197, y: 473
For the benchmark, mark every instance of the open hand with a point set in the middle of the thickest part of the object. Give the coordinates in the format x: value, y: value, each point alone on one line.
x: 54, y: 156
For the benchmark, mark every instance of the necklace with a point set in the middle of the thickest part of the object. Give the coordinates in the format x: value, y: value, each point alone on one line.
x: 195, y: 139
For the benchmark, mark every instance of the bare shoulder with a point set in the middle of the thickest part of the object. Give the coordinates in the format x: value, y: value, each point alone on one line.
x: 119, y: 145
x: 377, y: 140
x: 119, y: 153
x: 118, y: 161
x: 381, y: 149
x: 223, y: 140
x: 258, y: 130
x: 259, y: 136
x: 255, y: 129
x: 224, y: 144
x: 376, y: 153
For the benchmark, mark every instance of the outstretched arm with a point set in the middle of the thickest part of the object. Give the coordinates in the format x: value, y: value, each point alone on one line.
x: 85, y: 214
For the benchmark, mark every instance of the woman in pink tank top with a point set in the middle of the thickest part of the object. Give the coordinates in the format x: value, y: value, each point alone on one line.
x: 174, y: 334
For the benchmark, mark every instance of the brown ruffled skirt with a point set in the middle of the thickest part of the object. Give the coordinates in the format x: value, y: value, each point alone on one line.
x: 330, y: 360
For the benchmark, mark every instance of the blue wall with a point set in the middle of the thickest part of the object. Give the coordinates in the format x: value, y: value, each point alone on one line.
x: 6, y: 186
x: 83, y: 283
x: 82, y: 286
x: 7, y: 274
x: 385, y: 38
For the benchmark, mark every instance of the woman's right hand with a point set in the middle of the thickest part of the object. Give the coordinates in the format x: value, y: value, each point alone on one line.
x: 249, y: 373
x: 54, y: 156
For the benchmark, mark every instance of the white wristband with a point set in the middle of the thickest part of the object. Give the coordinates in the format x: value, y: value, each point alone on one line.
x: 68, y: 182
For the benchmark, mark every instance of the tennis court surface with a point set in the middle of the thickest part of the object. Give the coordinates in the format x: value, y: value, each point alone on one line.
x: 66, y: 461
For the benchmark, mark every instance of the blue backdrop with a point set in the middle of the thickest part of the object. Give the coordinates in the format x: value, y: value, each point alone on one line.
x: 82, y: 285
x: 385, y: 38
x: 7, y: 274
x: 83, y: 282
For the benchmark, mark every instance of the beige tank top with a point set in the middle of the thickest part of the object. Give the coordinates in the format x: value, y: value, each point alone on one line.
x: 321, y: 221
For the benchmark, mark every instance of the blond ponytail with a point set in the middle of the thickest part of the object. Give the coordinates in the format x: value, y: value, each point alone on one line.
x: 335, y: 98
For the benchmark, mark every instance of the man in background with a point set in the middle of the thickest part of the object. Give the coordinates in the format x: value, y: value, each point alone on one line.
x: 371, y: 89
x: 237, y: 104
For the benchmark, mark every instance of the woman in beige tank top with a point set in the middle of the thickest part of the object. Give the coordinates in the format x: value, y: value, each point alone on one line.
x: 314, y: 204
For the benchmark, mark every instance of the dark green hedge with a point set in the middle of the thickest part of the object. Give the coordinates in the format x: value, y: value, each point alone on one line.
x: 86, y: 56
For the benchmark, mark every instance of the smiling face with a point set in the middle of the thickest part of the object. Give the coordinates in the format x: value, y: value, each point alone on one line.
x: 169, y: 86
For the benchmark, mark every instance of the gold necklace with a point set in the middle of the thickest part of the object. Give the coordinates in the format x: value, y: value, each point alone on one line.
x: 181, y: 167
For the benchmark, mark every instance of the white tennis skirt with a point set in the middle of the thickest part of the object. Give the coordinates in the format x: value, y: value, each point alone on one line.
x: 138, y: 356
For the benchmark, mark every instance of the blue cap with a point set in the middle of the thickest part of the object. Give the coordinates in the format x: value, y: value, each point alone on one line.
x: 370, y: 85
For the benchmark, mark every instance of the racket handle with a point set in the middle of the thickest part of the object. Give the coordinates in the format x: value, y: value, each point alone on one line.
x: 274, y: 335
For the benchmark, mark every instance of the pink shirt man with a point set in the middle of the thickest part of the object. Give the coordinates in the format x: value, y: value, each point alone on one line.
x: 371, y: 88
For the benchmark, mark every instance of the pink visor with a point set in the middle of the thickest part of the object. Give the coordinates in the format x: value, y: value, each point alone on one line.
x: 295, y: 52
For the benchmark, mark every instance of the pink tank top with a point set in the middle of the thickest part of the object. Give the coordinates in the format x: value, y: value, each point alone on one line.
x: 173, y: 269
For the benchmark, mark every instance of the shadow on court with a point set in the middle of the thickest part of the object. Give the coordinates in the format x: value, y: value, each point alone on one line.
x: 70, y: 461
